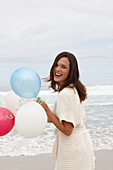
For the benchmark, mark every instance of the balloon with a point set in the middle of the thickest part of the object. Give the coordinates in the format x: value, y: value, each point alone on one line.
x: 25, y: 82
x: 7, y: 120
x: 13, y: 102
x: 31, y: 120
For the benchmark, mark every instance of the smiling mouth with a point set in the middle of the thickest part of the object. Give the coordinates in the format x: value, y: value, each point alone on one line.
x: 58, y: 75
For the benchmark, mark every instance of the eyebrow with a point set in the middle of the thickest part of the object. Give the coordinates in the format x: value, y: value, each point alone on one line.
x: 64, y: 65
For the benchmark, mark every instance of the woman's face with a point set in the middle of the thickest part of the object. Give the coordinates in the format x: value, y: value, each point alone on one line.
x: 61, y: 70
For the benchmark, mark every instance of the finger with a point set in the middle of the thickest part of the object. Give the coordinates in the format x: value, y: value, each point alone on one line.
x: 41, y: 102
x: 37, y: 99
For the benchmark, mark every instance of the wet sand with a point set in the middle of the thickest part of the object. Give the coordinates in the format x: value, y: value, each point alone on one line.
x: 104, y: 161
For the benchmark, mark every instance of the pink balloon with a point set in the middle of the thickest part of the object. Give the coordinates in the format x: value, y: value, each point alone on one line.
x: 7, y: 121
x: 13, y: 102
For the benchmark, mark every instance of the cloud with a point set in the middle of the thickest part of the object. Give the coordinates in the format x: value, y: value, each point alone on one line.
x: 35, y: 29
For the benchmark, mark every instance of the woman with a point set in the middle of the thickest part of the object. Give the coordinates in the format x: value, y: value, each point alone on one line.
x: 73, y: 147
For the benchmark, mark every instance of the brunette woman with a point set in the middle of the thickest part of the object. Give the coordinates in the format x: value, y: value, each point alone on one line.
x: 73, y: 148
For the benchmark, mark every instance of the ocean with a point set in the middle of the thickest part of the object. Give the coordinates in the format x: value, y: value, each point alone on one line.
x: 99, y: 112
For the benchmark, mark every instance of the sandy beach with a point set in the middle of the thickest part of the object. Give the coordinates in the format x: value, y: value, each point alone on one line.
x: 104, y: 161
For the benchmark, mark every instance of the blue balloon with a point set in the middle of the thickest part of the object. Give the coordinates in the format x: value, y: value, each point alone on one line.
x: 25, y: 82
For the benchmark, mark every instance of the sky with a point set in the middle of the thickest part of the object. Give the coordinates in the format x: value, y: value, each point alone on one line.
x: 33, y: 32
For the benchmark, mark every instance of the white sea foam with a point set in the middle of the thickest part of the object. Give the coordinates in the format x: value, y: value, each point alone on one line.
x: 3, y: 94
x: 100, y: 90
x: 16, y: 145
x: 13, y: 144
x: 102, y: 137
x: 99, y: 109
x: 99, y: 104
x: 91, y: 90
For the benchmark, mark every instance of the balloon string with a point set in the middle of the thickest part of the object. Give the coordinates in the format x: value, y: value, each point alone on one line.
x: 11, y: 116
x: 38, y: 100
x: 20, y: 103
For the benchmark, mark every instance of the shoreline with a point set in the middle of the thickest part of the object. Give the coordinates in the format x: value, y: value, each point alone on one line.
x: 104, y: 161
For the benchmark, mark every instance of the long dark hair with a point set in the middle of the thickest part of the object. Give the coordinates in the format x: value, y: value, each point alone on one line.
x: 72, y: 79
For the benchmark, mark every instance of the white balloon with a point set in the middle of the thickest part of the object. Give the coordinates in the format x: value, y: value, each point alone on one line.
x: 31, y: 120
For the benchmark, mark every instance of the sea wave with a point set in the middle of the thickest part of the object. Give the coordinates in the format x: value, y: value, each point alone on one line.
x: 14, y: 144
x: 100, y: 90
x: 91, y: 90
x: 99, y: 106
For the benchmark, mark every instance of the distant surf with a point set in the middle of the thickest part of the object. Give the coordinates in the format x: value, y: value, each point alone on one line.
x: 99, y: 111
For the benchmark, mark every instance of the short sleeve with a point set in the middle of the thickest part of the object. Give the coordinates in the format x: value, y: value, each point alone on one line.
x: 54, y: 107
x: 68, y: 105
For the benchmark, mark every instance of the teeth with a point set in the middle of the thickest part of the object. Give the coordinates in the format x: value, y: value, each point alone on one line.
x: 58, y: 74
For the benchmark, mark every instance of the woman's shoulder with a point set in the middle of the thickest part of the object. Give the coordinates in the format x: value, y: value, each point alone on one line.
x: 68, y: 94
x: 68, y: 91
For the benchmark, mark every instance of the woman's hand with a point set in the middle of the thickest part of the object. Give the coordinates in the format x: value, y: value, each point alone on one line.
x: 64, y: 127
x: 42, y: 103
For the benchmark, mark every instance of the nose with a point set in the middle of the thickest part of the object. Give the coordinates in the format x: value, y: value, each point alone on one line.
x: 57, y: 68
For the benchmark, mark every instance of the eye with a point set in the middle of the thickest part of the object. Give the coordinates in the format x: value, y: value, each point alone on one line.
x: 63, y: 66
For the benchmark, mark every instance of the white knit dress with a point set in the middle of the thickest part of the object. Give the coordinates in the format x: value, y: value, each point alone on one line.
x: 74, y: 152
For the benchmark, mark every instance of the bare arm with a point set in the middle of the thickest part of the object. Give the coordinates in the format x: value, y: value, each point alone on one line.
x: 65, y: 127
x: 49, y: 120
